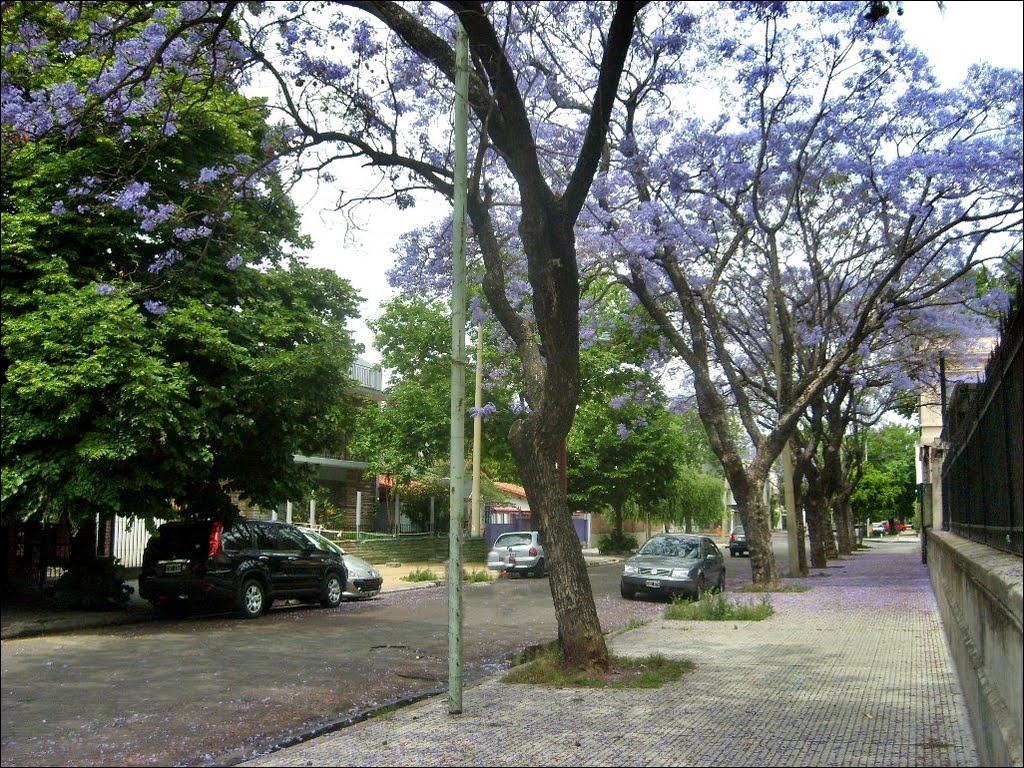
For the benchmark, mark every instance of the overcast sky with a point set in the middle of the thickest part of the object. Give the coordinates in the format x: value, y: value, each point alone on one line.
x: 960, y: 35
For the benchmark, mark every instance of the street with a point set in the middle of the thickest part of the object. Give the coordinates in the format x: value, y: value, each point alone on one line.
x: 215, y: 689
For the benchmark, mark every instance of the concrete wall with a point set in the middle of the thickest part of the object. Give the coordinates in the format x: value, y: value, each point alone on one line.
x: 979, y: 592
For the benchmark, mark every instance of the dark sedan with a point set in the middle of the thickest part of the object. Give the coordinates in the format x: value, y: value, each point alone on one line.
x: 673, y: 564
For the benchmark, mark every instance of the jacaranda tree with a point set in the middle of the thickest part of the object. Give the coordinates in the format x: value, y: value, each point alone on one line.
x: 836, y: 192
x: 696, y: 218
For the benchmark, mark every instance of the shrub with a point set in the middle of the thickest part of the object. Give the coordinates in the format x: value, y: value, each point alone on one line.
x: 616, y: 543
x: 93, y: 583
x: 714, y: 606
x: 424, y: 574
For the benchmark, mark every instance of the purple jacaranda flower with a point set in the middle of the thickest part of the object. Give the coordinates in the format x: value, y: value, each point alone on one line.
x: 131, y: 195
x: 169, y: 257
x: 151, y: 217
x: 235, y: 262
x: 155, y: 307
x: 484, y: 412
x: 105, y: 289
x: 519, y: 407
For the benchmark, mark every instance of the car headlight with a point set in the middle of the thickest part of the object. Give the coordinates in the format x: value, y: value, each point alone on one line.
x: 631, y: 569
x: 682, y: 574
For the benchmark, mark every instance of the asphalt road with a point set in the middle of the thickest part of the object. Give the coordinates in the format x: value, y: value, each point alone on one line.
x: 215, y: 690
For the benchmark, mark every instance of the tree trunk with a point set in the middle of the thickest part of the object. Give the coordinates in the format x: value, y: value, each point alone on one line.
x: 757, y: 524
x: 819, y: 529
x: 579, y: 626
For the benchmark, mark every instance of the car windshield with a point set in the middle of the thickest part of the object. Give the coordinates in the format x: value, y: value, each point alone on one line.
x: 669, y: 547
x: 512, y: 539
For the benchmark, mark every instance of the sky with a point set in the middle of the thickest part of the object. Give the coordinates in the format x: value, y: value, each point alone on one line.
x: 961, y: 34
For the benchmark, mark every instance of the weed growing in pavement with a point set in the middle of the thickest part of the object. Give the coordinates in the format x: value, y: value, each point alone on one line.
x: 715, y: 606
x: 634, y: 623
x: 545, y: 668
x: 424, y: 574
x: 777, y: 587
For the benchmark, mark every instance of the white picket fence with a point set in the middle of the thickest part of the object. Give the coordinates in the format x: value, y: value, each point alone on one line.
x: 130, y: 543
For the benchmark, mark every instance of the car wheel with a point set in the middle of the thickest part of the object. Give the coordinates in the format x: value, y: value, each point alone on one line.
x: 252, y: 598
x: 539, y: 570
x: 331, y: 593
x: 720, y: 587
x: 627, y: 592
x: 732, y: 553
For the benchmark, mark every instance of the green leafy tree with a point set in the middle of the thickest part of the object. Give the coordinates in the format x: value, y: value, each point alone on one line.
x: 886, y: 489
x: 627, y: 453
x: 409, y: 436
x: 131, y: 382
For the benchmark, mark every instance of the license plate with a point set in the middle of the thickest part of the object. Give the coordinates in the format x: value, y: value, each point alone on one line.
x: 173, y: 568
x: 652, y: 583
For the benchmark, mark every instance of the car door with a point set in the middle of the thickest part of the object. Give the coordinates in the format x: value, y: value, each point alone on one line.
x: 300, y: 567
x: 714, y: 560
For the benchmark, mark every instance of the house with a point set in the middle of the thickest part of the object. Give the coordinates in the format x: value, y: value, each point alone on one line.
x: 513, y: 514
x: 932, y: 408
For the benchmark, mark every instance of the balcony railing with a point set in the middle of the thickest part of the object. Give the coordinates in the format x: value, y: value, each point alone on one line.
x: 368, y: 376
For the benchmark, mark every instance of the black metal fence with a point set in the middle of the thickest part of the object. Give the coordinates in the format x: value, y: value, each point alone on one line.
x: 982, y: 484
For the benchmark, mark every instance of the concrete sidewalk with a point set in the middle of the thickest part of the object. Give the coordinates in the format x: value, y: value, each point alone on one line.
x: 854, y: 672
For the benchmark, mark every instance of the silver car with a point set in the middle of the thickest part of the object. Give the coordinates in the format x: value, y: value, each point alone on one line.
x: 674, y: 564
x: 364, y: 581
x: 518, y: 552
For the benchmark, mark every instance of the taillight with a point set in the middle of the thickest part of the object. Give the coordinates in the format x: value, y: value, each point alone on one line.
x: 732, y: 537
x: 533, y: 551
x: 215, y: 548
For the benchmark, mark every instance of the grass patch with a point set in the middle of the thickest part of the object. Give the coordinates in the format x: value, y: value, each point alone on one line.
x: 424, y: 574
x: 545, y: 668
x: 715, y: 606
x: 475, y: 576
x: 775, y: 588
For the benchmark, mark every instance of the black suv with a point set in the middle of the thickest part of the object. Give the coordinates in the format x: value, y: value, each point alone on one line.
x: 247, y: 564
x: 738, y: 542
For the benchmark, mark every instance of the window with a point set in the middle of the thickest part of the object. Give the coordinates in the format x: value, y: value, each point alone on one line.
x: 290, y: 540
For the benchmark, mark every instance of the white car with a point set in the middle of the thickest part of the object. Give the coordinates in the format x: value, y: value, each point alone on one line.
x: 364, y: 581
x: 518, y: 552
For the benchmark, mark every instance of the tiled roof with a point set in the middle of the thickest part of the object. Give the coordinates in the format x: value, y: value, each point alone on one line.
x: 512, y: 489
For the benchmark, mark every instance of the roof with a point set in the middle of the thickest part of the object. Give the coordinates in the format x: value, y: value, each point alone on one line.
x: 512, y: 489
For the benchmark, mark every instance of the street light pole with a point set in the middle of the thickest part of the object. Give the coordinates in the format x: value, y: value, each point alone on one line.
x: 457, y: 457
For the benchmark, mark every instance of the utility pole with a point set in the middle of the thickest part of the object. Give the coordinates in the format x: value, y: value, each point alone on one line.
x: 475, y: 521
x: 792, y: 526
x: 457, y: 457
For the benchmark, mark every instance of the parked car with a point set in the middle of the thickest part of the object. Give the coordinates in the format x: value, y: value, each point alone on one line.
x: 518, y: 552
x: 880, y: 528
x: 673, y: 564
x: 241, y: 563
x: 364, y: 581
x: 738, y: 542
